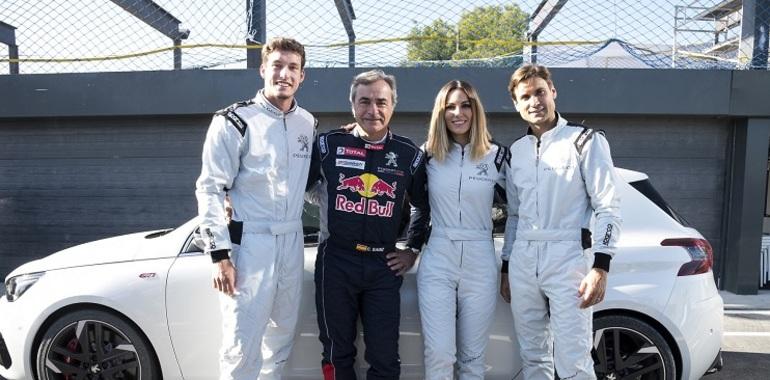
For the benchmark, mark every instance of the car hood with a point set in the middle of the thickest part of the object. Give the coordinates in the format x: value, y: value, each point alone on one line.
x: 116, y: 249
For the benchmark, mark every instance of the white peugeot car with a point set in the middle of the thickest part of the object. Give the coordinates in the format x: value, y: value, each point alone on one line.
x: 141, y: 306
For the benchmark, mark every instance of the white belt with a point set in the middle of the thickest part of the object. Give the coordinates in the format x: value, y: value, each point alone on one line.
x: 461, y: 233
x: 273, y: 228
x: 549, y: 235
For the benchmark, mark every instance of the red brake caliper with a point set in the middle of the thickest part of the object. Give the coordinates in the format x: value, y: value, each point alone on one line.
x: 71, y: 346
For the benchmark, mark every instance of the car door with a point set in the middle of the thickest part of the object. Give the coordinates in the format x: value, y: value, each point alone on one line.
x: 192, y: 310
x: 194, y: 319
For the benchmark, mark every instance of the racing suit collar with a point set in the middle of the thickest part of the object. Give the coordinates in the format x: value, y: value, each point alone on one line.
x: 270, y: 108
x: 457, y: 148
x: 379, y: 142
x: 560, y: 123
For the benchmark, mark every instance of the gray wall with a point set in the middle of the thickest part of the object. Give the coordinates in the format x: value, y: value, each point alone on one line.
x: 86, y: 156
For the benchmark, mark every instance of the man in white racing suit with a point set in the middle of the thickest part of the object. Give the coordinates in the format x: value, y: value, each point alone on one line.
x: 560, y: 175
x: 258, y: 152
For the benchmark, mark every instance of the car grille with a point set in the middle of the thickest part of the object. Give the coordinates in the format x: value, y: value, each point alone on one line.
x: 5, y: 357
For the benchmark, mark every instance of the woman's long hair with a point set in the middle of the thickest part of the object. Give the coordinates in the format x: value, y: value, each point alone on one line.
x: 439, y: 139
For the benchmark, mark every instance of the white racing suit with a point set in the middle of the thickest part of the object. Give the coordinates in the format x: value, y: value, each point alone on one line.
x: 553, y: 187
x: 457, y: 276
x: 260, y: 156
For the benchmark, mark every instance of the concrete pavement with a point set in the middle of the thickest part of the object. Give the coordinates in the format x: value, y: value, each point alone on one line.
x: 746, y: 339
x: 759, y: 301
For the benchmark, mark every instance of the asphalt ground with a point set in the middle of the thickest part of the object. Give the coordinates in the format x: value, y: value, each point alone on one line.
x: 746, y: 339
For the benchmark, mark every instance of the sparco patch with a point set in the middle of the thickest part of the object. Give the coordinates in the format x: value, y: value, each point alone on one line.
x: 322, y: 144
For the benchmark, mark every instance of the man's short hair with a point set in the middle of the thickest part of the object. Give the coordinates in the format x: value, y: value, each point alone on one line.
x: 527, y: 72
x: 370, y: 77
x: 283, y: 44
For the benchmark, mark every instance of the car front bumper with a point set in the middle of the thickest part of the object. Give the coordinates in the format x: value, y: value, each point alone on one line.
x: 13, y: 340
x: 5, y: 357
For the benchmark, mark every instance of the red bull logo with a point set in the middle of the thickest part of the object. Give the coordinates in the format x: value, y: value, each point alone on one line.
x: 368, y: 186
x: 354, y: 184
x: 381, y: 187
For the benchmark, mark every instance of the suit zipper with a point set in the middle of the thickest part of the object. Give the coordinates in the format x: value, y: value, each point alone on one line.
x: 288, y: 164
x: 460, y: 188
x: 537, y: 179
x: 367, y: 169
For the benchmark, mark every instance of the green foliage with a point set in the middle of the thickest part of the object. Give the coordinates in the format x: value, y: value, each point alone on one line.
x: 485, y: 32
x: 434, y: 42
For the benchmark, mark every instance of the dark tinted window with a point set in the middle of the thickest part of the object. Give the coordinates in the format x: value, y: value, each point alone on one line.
x: 645, y: 187
x: 310, y: 223
x: 499, y: 210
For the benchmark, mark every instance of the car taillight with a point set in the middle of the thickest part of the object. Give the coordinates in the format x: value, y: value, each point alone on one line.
x: 701, y: 255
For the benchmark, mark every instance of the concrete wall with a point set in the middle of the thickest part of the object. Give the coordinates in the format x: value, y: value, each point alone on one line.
x: 86, y: 156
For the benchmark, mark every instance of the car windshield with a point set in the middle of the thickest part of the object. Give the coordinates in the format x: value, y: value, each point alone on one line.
x: 646, y: 188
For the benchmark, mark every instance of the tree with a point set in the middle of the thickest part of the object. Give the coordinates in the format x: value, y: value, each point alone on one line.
x: 485, y: 32
x: 434, y: 42
x: 491, y: 31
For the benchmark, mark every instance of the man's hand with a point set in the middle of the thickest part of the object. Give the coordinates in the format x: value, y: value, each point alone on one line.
x: 224, y: 277
x: 401, y: 260
x: 505, y: 288
x: 592, y: 287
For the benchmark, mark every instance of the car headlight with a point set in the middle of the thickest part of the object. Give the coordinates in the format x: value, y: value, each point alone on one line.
x: 17, y: 285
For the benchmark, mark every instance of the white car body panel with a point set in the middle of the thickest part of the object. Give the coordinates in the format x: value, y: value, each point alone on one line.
x: 177, y: 309
x: 690, y: 309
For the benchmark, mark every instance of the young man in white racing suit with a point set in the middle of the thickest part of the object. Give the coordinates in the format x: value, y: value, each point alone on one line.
x: 560, y: 175
x: 258, y: 152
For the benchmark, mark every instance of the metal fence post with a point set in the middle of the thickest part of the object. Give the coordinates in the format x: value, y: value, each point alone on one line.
x: 255, y: 13
x: 8, y: 37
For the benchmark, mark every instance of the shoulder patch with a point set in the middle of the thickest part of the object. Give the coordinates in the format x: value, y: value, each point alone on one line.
x: 503, y: 155
x: 424, y: 150
x: 233, y: 117
x: 322, y: 144
x: 417, y: 159
x: 583, y: 138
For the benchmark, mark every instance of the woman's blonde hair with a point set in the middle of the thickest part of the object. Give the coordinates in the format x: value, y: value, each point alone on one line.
x: 438, y: 143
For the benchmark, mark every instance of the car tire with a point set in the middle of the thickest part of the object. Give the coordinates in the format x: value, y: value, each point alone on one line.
x: 629, y: 348
x: 116, y: 350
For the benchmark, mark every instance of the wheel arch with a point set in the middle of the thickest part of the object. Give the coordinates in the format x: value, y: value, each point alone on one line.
x: 87, y: 306
x: 656, y: 325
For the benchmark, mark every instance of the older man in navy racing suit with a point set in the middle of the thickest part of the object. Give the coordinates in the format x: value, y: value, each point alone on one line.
x: 365, y: 175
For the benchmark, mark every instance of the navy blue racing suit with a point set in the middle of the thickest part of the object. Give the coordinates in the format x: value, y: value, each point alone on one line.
x: 362, y: 192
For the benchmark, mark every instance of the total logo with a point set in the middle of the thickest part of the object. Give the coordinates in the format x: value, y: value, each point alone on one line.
x: 367, y: 185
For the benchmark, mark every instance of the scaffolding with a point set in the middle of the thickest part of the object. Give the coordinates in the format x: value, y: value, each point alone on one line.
x: 719, y: 20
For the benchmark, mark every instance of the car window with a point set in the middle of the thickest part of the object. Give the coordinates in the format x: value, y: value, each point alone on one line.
x: 645, y: 187
x: 499, y: 211
x: 310, y: 223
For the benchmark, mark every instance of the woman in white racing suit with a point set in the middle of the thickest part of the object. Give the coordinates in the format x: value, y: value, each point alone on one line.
x: 457, y: 276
